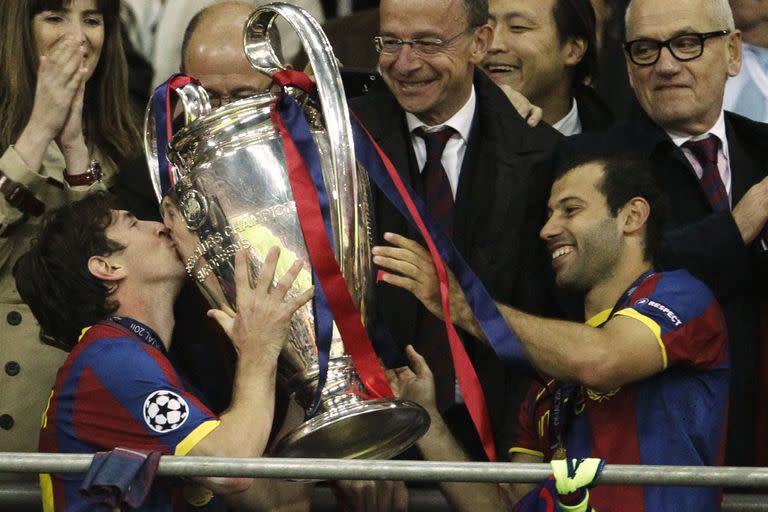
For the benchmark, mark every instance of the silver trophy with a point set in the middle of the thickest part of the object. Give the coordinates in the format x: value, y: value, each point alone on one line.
x: 232, y: 193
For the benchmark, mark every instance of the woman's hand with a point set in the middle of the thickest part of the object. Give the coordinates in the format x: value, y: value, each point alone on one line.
x: 60, y: 76
x: 71, y: 140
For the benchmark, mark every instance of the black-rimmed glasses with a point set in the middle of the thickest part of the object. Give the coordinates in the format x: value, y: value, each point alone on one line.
x: 424, y: 46
x: 646, y: 52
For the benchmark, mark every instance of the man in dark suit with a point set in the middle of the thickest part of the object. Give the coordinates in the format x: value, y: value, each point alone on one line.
x: 546, y: 50
x: 428, y: 53
x: 713, y: 166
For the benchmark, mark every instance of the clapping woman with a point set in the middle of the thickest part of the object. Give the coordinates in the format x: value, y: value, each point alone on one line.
x: 65, y: 124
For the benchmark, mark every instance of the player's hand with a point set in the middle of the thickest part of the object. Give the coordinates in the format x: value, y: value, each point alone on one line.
x: 411, y: 268
x: 527, y: 110
x: 374, y: 495
x: 264, y: 310
x: 414, y: 383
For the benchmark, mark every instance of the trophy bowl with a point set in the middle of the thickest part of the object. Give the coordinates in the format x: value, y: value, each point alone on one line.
x: 232, y: 193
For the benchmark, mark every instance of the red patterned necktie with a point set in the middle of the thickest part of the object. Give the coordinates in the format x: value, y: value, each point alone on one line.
x: 705, y: 151
x: 431, y: 338
x: 437, y: 188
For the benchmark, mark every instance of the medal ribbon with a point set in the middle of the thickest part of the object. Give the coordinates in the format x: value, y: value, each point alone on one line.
x: 136, y: 328
x: 564, y: 397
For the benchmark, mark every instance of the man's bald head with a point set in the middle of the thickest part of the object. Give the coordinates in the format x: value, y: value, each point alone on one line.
x: 213, y: 53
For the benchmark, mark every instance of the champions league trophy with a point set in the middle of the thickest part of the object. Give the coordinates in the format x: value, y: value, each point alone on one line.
x: 230, y: 192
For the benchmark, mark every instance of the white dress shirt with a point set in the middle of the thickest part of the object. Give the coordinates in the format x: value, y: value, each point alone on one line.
x: 453, y: 154
x: 570, y: 124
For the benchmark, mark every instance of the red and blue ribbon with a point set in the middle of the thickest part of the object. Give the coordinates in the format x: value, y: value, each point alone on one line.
x: 494, y: 326
x: 305, y: 175
x: 161, y: 103
x: 307, y: 186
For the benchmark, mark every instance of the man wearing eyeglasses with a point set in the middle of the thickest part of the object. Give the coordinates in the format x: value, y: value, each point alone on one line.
x: 713, y: 166
x: 485, y: 183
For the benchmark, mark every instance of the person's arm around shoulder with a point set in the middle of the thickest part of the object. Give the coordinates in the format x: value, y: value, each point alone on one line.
x: 258, y: 331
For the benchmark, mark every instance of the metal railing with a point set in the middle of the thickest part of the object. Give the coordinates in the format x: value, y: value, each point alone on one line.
x: 18, y: 496
x: 415, y: 471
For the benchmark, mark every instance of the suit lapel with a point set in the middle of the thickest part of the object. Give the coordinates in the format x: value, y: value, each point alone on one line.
x: 746, y: 168
x: 490, y: 172
x: 661, y: 146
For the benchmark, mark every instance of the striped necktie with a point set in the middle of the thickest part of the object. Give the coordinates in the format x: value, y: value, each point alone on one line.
x: 705, y: 151
x: 437, y: 188
x: 431, y: 339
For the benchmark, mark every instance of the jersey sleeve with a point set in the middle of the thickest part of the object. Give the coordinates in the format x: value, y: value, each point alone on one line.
x: 685, y: 318
x: 130, y: 395
x: 529, y: 438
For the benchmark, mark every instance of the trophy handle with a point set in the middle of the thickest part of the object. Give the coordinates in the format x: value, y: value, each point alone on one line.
x: 262, y: 56
x: 196, y: 103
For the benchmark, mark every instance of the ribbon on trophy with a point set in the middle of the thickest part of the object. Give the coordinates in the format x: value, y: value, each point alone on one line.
x: 307, y: 185
x: 381, y: 171
x: 161, y: 103
x: 502, y: 339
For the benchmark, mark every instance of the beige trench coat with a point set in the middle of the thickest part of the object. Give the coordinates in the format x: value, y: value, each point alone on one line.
x: 27, y: 366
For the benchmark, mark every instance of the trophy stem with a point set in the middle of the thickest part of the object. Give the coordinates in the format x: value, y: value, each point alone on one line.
x: 348, y: 425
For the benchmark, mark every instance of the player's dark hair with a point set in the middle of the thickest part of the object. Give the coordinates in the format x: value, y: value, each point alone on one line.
x: 626, y: 177
x: 53, y: 276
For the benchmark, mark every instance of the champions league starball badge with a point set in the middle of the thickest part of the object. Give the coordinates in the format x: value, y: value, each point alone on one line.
x: 165, y: 410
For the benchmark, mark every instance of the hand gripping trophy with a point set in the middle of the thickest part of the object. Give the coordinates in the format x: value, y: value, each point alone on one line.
x: 232, y: 182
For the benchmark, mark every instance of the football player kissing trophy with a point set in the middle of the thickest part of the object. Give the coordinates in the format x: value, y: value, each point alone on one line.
x: 278, y: 169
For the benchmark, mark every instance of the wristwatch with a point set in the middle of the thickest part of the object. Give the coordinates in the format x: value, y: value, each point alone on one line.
x: 91, y: 175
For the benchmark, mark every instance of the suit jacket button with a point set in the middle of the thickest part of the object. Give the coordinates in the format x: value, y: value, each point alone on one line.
x: 12, y: 368
x: 14, y: 318
x: 6, y: 422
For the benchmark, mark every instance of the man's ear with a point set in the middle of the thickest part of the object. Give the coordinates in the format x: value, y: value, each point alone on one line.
x: 636, y: 213
x: 101, y: 268
x: 734, y: 52
x: 574, y: 50
x: 481, y: 43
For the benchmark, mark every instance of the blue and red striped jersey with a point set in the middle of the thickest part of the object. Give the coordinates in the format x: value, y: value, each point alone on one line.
x: 676, y: 417
x: 115, y: 390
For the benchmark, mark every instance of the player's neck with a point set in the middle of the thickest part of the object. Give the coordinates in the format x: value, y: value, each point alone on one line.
x: 155, y: 310
x: 607, y: 292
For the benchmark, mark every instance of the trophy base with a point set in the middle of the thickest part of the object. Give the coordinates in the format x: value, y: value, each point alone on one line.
x: 370, y: 429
